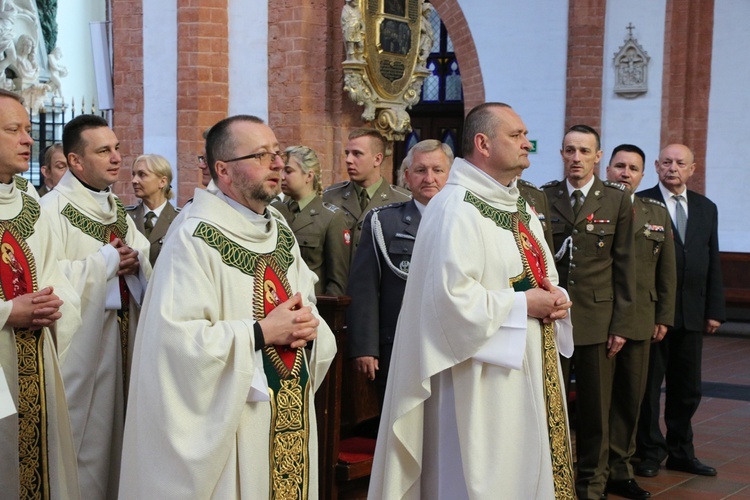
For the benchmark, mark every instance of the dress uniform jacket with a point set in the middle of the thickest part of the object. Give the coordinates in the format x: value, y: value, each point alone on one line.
x: 159, y: 231
x: 344, y: 196
x: 538, y: 202
x: 598, y: 267
x: 376, y: 290
x: 322, y: 235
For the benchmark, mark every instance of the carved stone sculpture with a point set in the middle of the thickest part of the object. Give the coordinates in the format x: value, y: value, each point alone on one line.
x: 631, y: 68
x: 354, y: 31
x: 56, y: 71
x: 25, y: 65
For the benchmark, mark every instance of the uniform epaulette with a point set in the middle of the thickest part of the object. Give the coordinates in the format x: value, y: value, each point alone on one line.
x: 653, y: 202
x: 130, y: 208
x: 330, y: 207
x: 400, y: 190
x: 528, y: 184
x: 177, y: 209
x: 275, y: 213
x: 615, y: 185
x: 551, y: 184
x: 338, y: 185
x: 390, y: 205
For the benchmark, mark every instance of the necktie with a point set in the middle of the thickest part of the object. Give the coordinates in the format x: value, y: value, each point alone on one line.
x: 680, y: 215
x: 294, y: 208
x: 149, y: 224
x: 578, y: 197
x: 364, y: 199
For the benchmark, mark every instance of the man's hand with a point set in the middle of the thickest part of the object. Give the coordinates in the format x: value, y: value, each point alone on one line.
x: 128, y: 258
x: 35, y: 310
x: 548, y: 303
x: 614, y: 344
x: 659, y: 332
x: 290, y: 324
x: 712, y: 325
x: 367, y: 365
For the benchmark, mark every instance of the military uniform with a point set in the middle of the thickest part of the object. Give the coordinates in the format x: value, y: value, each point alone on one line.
x: 376, y: 288
x: 323, y: 238
x: 538, y: 202
x: 656, y: 281
x: 344, y: 196
x: 159, y: 231
x: 596, y: 264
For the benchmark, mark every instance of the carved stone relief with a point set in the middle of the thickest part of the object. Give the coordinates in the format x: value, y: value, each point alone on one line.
x: 631, y: 68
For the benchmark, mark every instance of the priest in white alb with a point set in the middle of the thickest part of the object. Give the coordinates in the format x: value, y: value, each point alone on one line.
x: 38, y: 315
x: 106, y: 260
x: 475, y: 406
x: 222, y: 392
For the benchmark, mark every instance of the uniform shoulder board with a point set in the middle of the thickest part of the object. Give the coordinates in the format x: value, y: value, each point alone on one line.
x: 652, y: 201
x: 330, y: 207
x: 275, y: 213
x: 338, y: 185
x: 130, y: 208
x: 400, y: 190
x: 528, y: 184
x: 615, y: 185
x: 390, y: 205
x: 550, y: 184
x: 177, y: 209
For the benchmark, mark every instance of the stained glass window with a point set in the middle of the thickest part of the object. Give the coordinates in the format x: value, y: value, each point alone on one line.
x: 444, y: 82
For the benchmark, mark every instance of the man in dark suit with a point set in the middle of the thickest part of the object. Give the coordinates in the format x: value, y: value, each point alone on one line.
x: 366, y: 188
x: 592, y: 228
x: 378, y: 275
x: 656, y: 280
x: 699, y: 308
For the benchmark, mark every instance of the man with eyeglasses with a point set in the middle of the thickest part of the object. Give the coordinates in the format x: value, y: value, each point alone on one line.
x: 366, y: 189
x: 106, y: 260
x: 222, y: 392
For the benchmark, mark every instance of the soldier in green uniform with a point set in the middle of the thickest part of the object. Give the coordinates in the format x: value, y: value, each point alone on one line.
x: 320, y: 228
x: 656, y: 281
x: 592, y: 228
x: 366, y: 188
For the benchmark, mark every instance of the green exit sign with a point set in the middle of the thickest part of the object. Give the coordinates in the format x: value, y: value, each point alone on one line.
x: 533, y: 146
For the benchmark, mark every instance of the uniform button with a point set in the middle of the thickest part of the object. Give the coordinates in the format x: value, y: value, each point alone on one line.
x: 575, y: 248
x: 572, y: 265
x: 601, y: 232
x: 575, y: 231
x: 405, y: 249
x: 572, y: 282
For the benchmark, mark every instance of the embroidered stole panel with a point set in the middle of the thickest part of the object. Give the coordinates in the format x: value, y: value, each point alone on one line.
x: 18, y: 276
x: 534, y: 272
x: 285, y: 368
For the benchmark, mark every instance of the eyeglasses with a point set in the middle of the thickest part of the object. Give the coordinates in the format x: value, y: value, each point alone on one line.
x: 261, y: 157
x: 202, y: 159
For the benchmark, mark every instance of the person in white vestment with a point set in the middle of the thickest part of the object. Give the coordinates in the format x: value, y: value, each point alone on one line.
x: 474, y: 406
x: 106, y: 260
x: 222, y: 392
x: 38, y: 315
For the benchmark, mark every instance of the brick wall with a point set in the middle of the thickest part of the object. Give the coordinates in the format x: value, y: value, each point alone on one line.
x: 688, y: 37
x: 202, y: 82
x: 127, y: 33
x: 583, y: 101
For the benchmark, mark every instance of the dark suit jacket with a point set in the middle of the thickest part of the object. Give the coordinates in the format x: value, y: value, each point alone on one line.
x: 137, y: 212
x: 376, y: 291
x: 344, y: 196
x: 600, y: 277
x: 320, y: 232
x: 700, y: 292
x: 656, y: 272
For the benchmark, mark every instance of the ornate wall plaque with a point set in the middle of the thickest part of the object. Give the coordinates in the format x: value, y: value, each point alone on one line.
x: 387, y: 43
x: 631, y: 68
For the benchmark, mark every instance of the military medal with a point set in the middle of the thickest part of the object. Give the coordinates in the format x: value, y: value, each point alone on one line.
x: 590, y: 219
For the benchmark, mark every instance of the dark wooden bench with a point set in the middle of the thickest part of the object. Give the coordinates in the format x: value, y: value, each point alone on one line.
x: 735, y: 269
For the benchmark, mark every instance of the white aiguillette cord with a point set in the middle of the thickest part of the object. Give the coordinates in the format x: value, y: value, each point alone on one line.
x: 377, y: 232
x: 566, y: 245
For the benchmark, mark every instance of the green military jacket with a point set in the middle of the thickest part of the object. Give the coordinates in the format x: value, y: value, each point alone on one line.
x: 538, y: 201
x: 595, y: 259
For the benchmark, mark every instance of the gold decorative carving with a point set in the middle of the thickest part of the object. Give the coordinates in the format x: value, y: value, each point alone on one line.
x: 387, y: 43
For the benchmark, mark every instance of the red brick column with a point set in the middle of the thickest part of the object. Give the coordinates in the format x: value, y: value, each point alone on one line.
x: 688, y: 42
x: 583, y: 101
x: 127, y: 34
x: 466, y: 53
x: 202, y: 82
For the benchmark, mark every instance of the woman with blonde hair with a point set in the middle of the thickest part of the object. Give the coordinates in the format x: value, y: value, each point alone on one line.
x: 320, y: 228
x: 152, y: 178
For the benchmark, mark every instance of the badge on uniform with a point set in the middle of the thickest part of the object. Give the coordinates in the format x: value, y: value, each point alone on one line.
x: 347, y: 237
x: 404, y: 266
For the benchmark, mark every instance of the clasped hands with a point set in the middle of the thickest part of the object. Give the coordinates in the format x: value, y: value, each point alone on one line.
x: 128, y: 258
x: 35, y: 310
x: 548, y: 303
x: 290, y: 323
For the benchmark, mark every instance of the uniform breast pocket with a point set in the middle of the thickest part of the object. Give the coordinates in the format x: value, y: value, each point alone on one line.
x: 599, y: 239
x: 400, y: 251
x: 310, y: 249
x: 655, y: 242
